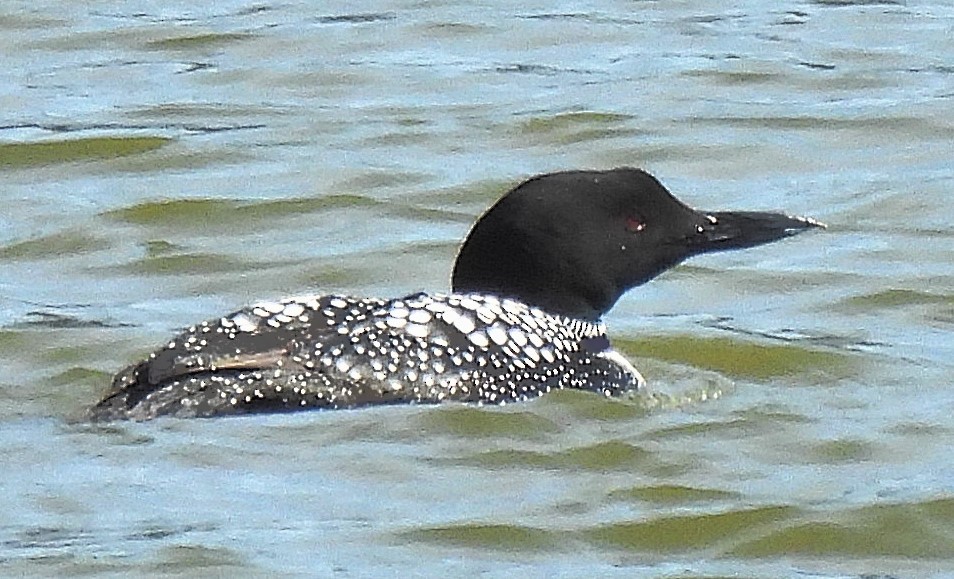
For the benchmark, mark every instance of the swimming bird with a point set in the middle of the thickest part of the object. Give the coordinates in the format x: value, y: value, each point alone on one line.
x: 530, y: 286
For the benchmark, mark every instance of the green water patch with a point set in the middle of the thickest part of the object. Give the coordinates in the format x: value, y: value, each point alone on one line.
x: 857, y: 2
x: 477, y: 194
x: 932, y: 306
x: 685, y: 533
x: 78, y: 376
x: 668, y: 494
x: 919, y: 429
x: 729, y: 429
x: 429, y: 215
x: 51, y: 367
x: 187, y: 264
x: 896, y: 126
x: 178, y: 159
x: 398, y: 139
x: 773, y: 414
x: 24, y: 155
x: 56, y: 345
x: 585, y: 405
x: 601, y: 457
x: 199, y: 41
x: 18, y: 343
x: 200, y: 111
x: 13, y: 342
x: 195, y: 560
x: 739, y: 358
x: 454, y: 29
x: 68, y: 393
x: 64, y: 394
x: 915, y: 531
x: 842, y: 450
x: 340, y: 275
x: 357, y: 18
x: 11, y: 21
x: 160, y: 247
x: 498, y: 537
x: 205, y: 213
x: 50, y: 319
x: 734, y: 78
x: 120, y: 433
x: 893, y: 298
x: 577, y: 127
x: 741, y: 425
x: 53, y: 246
x: 474, y: 422
x: 569, y: 120
x: 344, y: 272
x: 371, y: 180
x: 649, y: 151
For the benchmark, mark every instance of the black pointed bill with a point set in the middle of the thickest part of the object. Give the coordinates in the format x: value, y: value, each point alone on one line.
x: 740, y: 229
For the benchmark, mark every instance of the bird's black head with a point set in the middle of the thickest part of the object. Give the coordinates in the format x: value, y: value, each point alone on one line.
x: 572, y: 243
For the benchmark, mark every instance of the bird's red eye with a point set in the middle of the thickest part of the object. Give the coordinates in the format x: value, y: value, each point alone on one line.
x: 635, y: 224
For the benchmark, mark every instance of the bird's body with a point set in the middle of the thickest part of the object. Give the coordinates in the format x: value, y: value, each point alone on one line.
x: 531, y: 282
x: 337, y: 351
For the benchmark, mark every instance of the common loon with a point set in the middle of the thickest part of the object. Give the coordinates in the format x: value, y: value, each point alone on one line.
x: 530, y: 284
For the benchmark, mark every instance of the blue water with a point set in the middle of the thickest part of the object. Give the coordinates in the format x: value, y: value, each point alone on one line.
x: 427, y: 113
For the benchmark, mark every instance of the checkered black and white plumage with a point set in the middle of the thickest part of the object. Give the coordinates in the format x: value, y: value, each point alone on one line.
x: 338, y: 352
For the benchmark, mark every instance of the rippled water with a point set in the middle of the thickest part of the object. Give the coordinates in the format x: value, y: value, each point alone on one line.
x: 164, y: 163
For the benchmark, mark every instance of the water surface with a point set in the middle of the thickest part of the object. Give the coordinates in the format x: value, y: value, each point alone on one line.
x: 165, y: 164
